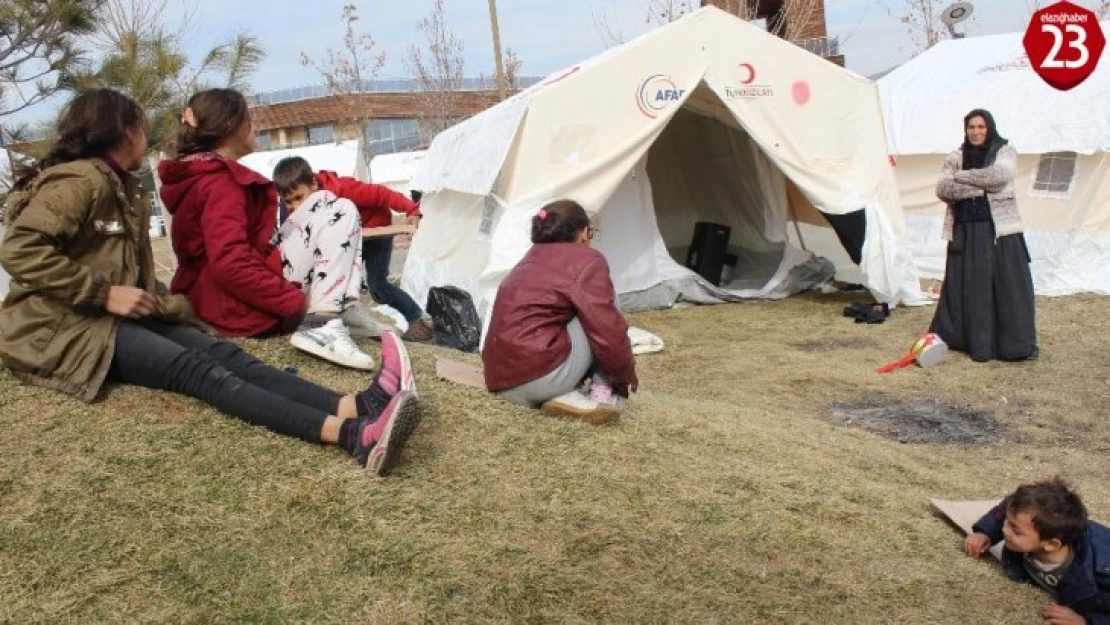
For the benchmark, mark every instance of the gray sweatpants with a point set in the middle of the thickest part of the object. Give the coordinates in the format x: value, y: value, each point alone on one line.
x: 564, y: 379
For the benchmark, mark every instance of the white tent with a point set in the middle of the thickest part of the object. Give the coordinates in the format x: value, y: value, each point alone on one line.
x: 396, y: 170
x: 706, y: 119
x: 345, y: 159
x: 1062, y: 138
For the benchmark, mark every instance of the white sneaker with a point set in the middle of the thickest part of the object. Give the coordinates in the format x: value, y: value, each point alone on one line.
x: 360, y: 323
x: 575, y: 404
x: 332, y: 342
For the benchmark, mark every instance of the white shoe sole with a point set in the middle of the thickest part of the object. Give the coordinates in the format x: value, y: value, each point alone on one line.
x: 306, y: 344
x: 604, y: 414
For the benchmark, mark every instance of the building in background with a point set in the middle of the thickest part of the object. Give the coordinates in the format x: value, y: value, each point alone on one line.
x: 384, y: 115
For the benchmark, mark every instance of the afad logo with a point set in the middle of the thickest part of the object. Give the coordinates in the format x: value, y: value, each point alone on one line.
x: 656, y: 94
x: 747, y: 88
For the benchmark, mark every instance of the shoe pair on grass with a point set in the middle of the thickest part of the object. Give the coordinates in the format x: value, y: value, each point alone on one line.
x: 864, y: 312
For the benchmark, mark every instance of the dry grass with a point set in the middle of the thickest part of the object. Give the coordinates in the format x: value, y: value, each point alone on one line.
x: 728, y: 496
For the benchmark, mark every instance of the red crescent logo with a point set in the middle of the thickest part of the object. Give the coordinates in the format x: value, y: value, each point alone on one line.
x: 747, y: 67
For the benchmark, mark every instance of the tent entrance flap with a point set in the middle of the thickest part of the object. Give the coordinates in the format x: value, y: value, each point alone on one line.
x: 703, y: 170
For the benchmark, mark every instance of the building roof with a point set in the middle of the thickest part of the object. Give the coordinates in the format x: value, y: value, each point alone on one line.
x: 354, y: 106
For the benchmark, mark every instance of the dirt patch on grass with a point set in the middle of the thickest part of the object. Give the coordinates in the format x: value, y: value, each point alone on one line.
x: 918, y: 421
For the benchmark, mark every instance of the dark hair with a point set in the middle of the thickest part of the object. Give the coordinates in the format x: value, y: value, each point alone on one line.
x: 1057, y: 511
x: 93, y: 123
x: 219, y: 114
x: 291, y: 173
x: 559, y: 222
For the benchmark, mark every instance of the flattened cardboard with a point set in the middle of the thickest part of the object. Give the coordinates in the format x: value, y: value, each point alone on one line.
x: 387, y: 231
x: 964, y: 514
x: 460, y: 373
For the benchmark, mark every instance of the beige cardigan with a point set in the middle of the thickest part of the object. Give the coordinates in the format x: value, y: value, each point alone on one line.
x: 957, y: 184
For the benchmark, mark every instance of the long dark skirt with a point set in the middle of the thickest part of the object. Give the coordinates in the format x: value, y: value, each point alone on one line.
x: 986, y: 302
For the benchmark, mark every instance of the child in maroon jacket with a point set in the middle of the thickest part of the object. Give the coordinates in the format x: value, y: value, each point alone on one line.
x: 295, y: 181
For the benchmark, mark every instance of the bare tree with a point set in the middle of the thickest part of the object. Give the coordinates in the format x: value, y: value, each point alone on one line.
x: 512, y: 66
x: 921, y: 19
x: 1104, y: 10
x: 792, y: 20
x: 606, y: 24
x: 666, y: 11
x: 350, y: 69
x: 39, y: 44
x: 439, y: 69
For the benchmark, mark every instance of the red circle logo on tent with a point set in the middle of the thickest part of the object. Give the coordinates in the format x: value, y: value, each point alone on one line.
x: 1064, y: 43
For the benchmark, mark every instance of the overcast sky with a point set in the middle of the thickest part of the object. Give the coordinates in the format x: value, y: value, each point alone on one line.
x: 546, y: 34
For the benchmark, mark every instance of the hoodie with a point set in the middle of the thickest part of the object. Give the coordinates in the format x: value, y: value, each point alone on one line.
x: 223, y: 219
x: 374, y: 201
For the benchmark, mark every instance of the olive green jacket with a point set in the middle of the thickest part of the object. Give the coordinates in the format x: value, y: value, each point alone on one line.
x: 74, y: 234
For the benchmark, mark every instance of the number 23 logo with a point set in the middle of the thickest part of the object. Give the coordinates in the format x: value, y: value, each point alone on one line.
x: 1059, y: 36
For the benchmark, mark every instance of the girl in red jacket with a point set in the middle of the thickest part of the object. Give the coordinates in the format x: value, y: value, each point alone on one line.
x: 223, y: 234
x: 555, y: 320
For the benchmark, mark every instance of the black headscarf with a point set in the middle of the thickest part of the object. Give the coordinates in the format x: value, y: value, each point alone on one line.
x: 980, y: 156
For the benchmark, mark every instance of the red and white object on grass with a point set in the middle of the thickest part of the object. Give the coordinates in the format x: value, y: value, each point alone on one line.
x: 926, y: 351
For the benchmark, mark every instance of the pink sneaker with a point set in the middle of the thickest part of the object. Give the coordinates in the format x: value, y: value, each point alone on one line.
x: 396, y: 373
x: 394, y: 376
x: 390, y: 432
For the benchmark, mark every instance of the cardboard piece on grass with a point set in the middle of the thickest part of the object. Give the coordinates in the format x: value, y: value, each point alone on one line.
x: 964, y: 514
x: 387, y: 231
x: 460, y: 373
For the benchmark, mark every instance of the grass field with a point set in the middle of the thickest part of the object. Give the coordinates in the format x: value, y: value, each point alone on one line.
x: 727, y: 495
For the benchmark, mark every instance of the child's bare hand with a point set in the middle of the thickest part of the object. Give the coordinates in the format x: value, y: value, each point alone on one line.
x: 130, y: 302
x: 413, y: 220
x: 977, y: 544
x: 1057, y: 614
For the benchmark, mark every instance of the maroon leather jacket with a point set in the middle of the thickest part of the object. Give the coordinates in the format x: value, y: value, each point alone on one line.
x: 527, y: 336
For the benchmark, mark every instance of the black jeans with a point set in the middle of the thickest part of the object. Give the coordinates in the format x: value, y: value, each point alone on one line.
x: 375, y: 256
x: 181, y: 359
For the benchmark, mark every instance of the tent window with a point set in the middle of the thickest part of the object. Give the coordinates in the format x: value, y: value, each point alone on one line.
x: 1055, y: 174
x: 489, y: 215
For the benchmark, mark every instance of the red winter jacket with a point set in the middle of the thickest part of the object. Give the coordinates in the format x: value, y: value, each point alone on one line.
x: 374, y: 201
x: 223, y: 219
x: 527, y: 336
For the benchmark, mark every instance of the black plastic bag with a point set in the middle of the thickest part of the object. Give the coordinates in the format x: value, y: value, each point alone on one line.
x: 456, y: 321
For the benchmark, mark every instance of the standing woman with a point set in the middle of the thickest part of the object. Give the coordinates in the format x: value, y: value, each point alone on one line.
x: 986, y: 302
x: 85, y: 306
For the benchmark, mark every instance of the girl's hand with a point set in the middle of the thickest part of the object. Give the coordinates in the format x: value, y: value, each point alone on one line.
x: 129, y: 302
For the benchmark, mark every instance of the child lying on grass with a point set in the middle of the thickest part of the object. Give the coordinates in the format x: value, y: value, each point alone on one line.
x: 1050, y: 542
